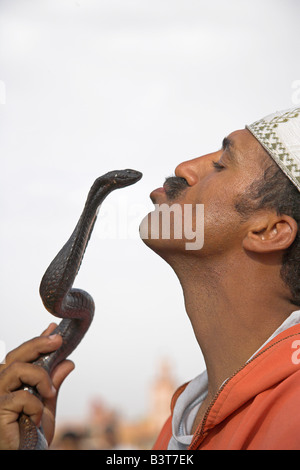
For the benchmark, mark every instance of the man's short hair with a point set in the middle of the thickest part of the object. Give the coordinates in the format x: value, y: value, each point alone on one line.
x: 275, y: 191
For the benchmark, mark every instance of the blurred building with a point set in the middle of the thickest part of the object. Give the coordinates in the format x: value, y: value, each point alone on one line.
x: 104, y: 428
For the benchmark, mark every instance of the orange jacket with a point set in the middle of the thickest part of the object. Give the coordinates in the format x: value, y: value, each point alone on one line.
x: 258, y: 408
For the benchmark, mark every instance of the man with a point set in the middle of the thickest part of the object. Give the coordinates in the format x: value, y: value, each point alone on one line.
x: 241, y: 292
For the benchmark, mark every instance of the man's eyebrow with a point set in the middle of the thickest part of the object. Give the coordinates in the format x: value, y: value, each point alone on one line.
x: 228, y: 145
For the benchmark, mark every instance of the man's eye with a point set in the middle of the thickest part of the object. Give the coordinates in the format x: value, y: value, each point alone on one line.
x: 218, y: 166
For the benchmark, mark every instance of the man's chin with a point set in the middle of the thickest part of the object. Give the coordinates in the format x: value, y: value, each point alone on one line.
x: 150, y: 233
x: 146, y: 234
x: 145, y: 228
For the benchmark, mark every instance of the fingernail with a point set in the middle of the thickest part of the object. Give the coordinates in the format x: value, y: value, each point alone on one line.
x: 53, y: 337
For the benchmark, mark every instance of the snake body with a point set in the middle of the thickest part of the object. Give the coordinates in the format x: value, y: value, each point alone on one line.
x: 75, y: 306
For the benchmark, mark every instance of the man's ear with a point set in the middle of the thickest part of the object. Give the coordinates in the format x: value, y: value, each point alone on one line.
x: 270, y: 232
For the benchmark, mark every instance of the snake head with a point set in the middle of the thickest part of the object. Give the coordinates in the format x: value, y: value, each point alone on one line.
x: 111, y: 181
x: 121, y: 178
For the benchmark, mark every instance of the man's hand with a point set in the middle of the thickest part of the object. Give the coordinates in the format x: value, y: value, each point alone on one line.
x: 18, y: 370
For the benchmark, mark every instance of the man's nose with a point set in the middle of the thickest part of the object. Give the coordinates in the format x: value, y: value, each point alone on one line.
x: 195, y: 169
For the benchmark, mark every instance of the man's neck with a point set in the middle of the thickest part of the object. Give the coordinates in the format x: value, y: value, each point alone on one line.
x: 233, y: 311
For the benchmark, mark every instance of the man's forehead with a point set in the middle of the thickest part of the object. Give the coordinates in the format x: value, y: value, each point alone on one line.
x: 246, y: 148
x: 242, y: 139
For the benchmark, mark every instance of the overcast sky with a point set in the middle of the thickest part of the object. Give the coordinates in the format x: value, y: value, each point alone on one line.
x: 89, y: 86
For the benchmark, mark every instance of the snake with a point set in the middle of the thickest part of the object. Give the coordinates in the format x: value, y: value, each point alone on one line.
x: 74, y: 306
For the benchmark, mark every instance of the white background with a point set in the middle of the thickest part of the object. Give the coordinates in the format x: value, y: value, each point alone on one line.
x: 91, y: 86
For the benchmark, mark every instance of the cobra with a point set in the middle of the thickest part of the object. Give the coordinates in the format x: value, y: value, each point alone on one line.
x: 75, y: 306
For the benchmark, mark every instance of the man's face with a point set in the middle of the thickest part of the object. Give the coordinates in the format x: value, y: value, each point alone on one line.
x: 215, y: 181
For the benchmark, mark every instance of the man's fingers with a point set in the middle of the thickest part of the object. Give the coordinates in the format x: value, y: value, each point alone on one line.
x: 58, y: 376
x: 22, y: 373
x: 12, y: 404
x: 49, y: 329
x: 61, y: 372
x: 30, y: 350
x: 18, y: 370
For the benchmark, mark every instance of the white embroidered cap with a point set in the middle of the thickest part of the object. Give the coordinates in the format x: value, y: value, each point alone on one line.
x: 279, y: 134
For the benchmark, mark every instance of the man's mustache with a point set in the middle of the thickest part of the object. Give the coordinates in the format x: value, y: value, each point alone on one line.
x: 174, y: 186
